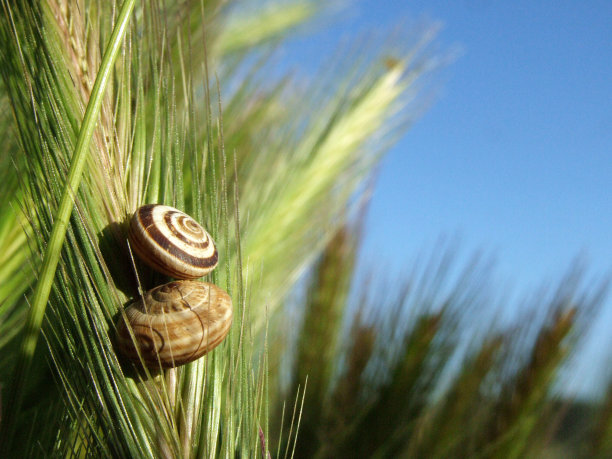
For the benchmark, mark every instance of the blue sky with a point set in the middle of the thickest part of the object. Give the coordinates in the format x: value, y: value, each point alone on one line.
x: 515, y: 156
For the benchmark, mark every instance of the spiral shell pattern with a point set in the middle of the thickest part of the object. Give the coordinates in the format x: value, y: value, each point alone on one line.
x: 172, y: 242
x: 175, y: 323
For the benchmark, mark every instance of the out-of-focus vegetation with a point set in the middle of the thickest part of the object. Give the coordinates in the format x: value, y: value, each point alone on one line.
x: 424, y: 370
x: 319, y: 362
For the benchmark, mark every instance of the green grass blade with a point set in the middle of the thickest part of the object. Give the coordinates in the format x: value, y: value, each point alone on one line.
x: 52, y: 253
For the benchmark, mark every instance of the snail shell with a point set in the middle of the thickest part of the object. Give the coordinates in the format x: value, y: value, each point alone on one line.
x: 175, y: 323
x: 172, y: 242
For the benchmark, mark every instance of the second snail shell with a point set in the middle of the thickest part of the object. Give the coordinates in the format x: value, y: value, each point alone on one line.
x: 172, y: 242
x: 175, y: 323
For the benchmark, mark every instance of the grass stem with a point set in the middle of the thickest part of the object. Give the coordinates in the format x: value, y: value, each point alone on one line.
x: 52, y: 254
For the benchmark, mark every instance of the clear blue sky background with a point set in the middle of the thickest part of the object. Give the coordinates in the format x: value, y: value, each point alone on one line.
x: 515, y: 155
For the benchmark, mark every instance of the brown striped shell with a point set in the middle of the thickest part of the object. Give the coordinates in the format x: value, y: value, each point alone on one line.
x: 175, y: 323
x: 172, y: 242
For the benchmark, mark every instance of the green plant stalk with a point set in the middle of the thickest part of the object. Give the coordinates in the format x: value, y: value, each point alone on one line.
x: 36, y: 312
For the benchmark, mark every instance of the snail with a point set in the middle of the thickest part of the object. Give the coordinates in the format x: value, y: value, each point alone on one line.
x: 172, y: 242
x: 175, y: 323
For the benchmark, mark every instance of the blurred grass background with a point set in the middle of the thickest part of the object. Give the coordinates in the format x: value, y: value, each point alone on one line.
x: 320, y: 362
